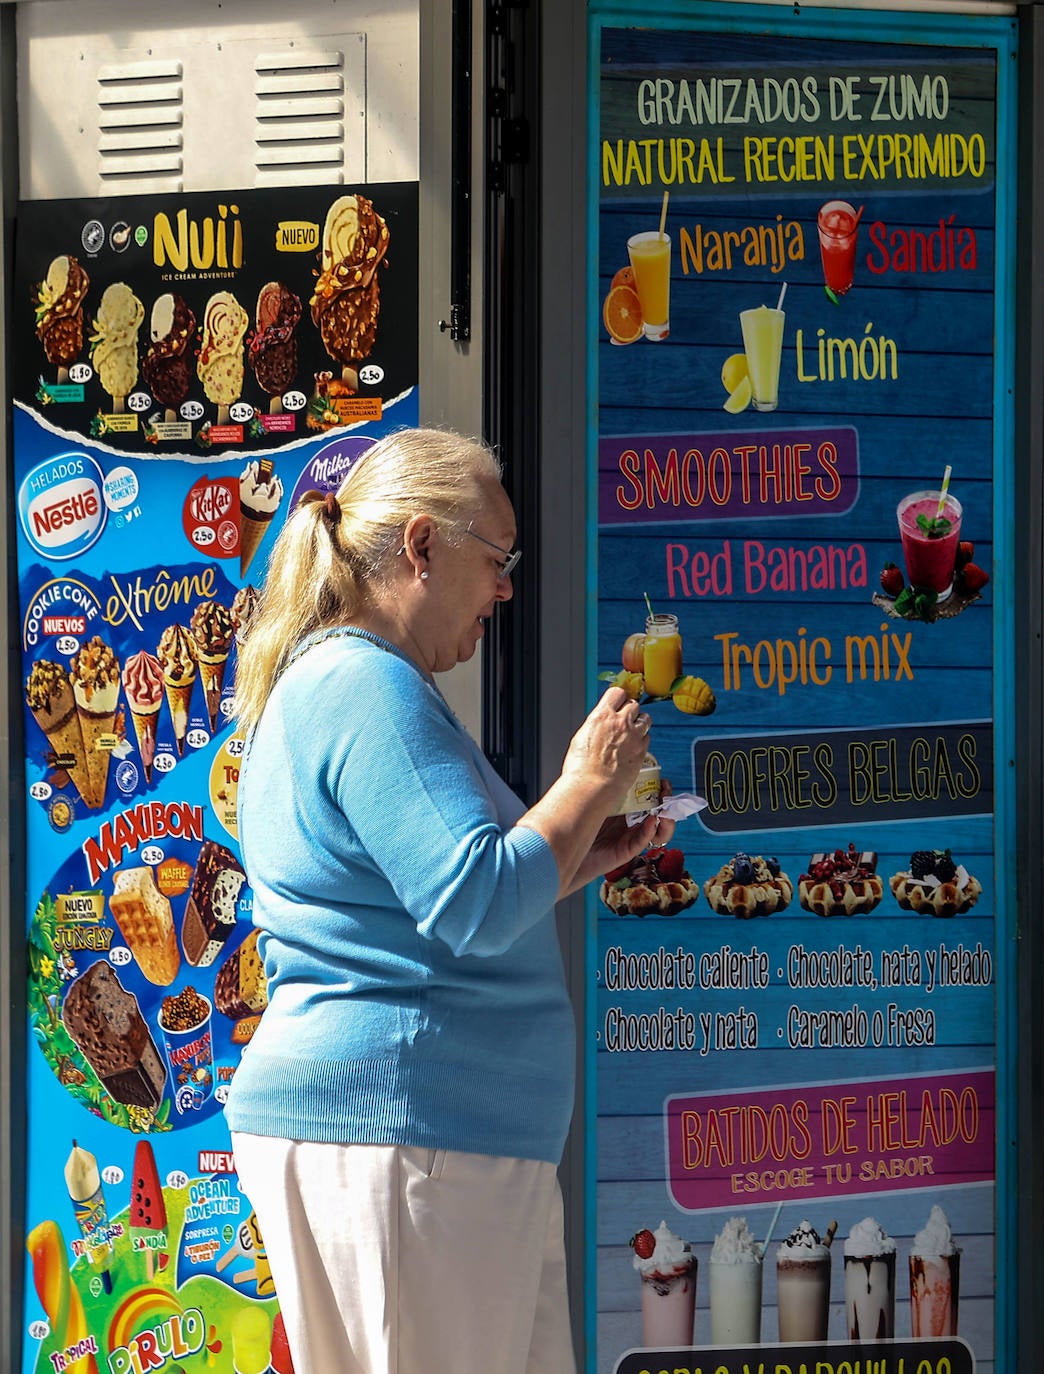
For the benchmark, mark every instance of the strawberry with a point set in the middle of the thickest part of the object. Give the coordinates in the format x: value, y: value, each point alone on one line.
x: 671, y: 865
x: 965, y: 552
x: 973, y: 578
x: 891, y: 580
x: 643, y: 1243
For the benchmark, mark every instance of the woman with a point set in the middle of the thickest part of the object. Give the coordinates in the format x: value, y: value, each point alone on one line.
x: 399, y: 1114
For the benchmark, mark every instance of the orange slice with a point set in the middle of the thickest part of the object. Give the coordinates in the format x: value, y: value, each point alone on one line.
x: 625, y: 277
x: 622, y: 314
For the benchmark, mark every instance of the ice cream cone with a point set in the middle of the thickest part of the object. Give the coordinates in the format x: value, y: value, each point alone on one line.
x: 179, y: 695
x: 96, y: 726
x: 212, y: 671
x: 49, y: 695
x: 95, y: 677
x: 253, y: 526
x: 145, y: 732
x: 177, y: 656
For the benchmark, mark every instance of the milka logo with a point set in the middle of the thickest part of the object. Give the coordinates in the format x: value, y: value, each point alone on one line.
x: 202, y: 243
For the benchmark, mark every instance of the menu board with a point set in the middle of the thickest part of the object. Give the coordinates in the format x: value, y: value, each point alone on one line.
x: 186, y: 368
x: 801, y: 479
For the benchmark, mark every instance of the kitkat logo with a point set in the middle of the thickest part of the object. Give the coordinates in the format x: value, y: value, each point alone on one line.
x: 61, y: 506
x: 210, y: 516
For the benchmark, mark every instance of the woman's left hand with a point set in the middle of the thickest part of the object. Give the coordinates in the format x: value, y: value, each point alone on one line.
x: 618, y: 843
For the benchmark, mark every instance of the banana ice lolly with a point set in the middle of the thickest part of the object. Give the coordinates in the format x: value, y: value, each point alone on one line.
x: 220, y: 364
x: 59, y: 313
x: 114, y: 343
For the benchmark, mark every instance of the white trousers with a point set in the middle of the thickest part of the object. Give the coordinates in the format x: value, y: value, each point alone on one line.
x: 394, y: 1260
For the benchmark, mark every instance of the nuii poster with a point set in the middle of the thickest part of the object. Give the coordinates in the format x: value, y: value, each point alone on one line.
x: 801, y: 481
x: 186, y: 368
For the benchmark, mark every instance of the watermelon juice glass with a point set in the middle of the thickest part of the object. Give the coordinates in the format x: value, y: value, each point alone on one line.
x: 930, y: 557
x: 838, y: 225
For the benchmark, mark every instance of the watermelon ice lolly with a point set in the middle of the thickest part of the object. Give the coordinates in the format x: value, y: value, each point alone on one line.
x: 148, y: 1212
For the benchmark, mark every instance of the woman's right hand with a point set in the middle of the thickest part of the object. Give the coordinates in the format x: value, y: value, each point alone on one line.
x: 610, y: 746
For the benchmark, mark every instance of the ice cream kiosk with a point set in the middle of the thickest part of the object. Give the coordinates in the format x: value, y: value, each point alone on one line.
x: 748, y: 295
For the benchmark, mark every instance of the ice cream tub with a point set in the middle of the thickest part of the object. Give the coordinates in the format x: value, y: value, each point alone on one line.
x: 646, y: 790
x: 184, y: 1023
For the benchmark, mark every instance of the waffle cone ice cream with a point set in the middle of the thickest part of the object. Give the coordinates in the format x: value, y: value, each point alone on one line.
x: 49, y: 695
x: 260, y: 492
x: 145, y: 920
x: 211, y: 627
x: 177, y: 655
x: 143, y: 683
x: 95, y: 677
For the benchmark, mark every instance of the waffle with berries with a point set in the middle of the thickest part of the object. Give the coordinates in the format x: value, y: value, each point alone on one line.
x: 844, y: 882
x: 749, y: 886
x: 935, y: 885
x: 655, y: 883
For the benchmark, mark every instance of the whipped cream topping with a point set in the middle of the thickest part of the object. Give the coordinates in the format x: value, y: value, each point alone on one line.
x: 803, y: 1243
x: 735, y: 1244
x: 671, y: 1256
x: 868, y: 1238
x: 936, y: 1238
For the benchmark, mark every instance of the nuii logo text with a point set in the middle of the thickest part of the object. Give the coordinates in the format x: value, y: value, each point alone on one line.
x: 214, y: 241
x: 61, y: 507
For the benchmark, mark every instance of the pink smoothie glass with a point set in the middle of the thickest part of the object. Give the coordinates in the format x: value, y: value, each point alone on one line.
x: 930, y: 558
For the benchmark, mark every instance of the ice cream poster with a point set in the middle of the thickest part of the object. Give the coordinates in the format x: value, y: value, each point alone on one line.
x: 802, y: 471
x: 191, y: 368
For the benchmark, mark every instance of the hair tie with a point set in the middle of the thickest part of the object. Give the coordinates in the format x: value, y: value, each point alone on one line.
x: 331, y: 509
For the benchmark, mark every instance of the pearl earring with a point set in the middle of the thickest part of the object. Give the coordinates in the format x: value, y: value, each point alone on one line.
x: 424, y: 577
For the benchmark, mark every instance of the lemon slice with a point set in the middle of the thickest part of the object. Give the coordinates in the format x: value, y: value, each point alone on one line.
x: 740, y: 397
x: 733, y: 370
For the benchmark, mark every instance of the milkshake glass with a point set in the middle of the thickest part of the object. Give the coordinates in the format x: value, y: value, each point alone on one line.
x: 735, y: 1285
x: 930, y: 560
x: 668, y: 1280
x: 935, y: 1272
x: 803, y: 1285
x: 870, y: 1282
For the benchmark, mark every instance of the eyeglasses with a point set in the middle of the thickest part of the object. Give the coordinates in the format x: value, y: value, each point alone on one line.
x: 511, y: 556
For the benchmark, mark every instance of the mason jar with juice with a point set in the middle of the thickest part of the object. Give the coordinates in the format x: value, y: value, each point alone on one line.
x: 663, y: 654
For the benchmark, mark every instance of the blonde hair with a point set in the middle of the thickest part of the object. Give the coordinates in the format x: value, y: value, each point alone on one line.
x: 332, y: 551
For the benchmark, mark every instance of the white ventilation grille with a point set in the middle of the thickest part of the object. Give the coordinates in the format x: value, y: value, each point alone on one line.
x: 310, y: 114
x: 140, y: 126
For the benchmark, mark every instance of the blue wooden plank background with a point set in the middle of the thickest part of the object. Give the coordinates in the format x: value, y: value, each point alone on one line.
x: 938, y: 409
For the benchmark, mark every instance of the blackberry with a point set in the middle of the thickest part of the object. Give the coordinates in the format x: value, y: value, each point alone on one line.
x: 945, y: 868
x: 922, y: 863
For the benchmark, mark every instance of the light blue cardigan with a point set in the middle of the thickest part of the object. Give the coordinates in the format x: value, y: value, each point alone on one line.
x: 416, y: 991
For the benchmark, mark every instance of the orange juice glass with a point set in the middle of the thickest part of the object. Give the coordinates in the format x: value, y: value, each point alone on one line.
x: 663, y: 654
x: 650, y: 255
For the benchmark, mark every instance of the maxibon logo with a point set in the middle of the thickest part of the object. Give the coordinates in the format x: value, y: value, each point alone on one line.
x: 61, y: 505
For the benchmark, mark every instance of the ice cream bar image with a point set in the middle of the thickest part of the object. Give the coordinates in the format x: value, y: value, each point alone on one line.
x: 210, y: 913
x: 59, y: 313
x: 57, y: 1292
x: 104, y: 1020
x: 148, y: 1211
x: 172, y: 328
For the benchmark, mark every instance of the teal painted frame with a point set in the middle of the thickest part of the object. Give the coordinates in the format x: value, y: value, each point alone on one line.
x: 971, y: 31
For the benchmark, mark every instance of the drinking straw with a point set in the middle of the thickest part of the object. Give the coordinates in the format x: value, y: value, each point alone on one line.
x: 772, y: 1227
x: 943, y: 490
x: 859, y: 215
x: 779, y: 303
x: 829, y: 1237
x: 663, y: 213
x: 648, y: 603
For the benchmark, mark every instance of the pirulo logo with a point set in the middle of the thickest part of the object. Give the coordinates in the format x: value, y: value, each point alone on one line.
x: 214, y: 241
x: 61, y: 506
